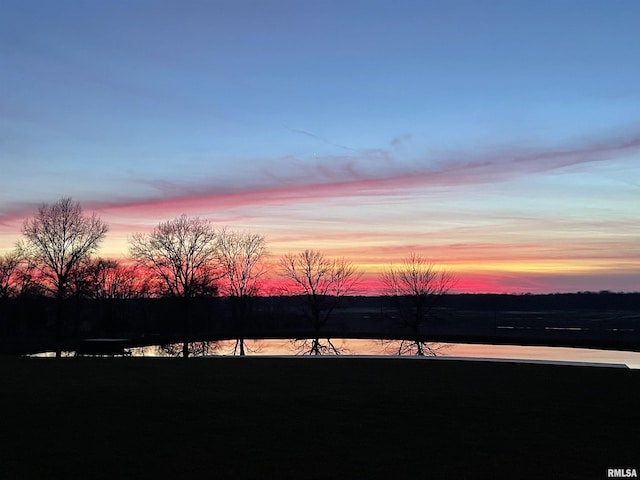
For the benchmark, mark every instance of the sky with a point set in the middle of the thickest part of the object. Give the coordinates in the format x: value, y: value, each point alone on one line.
x: 500, y: 139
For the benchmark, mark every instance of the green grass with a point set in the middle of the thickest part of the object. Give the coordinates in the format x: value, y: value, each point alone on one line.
x: 314, y: 418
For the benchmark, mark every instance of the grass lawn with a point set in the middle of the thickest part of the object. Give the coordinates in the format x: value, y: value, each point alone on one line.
x: 279, y: 418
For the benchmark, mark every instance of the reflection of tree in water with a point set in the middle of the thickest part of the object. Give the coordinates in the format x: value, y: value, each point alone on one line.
x: 196, y: 349
x: 241, y: 256
x: 180, y: 255
x: 56, y: 241
x: 316, y: 346
x: 410, y: 347
x: 416, y: 286
x: 319, y: 283
x: 247, y: 346
x: 199, y: 349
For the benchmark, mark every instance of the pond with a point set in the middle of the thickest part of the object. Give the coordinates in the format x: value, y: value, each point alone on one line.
x: 444, y: 351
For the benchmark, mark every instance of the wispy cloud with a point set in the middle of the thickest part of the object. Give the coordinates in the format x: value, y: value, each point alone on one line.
x: 321, y: 139
x: 362, y: 173
x: 370, y: 174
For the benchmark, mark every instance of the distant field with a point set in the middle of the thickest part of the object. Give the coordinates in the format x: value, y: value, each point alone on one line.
x: 311, y: 418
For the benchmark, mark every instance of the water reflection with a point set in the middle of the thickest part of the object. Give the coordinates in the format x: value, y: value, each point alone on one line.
x: 443, y: 350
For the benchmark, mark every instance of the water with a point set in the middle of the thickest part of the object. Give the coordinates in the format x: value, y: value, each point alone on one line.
x: 452, y: 350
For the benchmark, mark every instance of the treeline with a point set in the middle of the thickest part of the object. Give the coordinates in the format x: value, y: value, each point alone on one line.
x: 188, y: 258
x: 603, y: 300
x: 86, y: 317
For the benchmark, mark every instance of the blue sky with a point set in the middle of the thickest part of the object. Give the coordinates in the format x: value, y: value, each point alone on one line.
x: 502, y: 139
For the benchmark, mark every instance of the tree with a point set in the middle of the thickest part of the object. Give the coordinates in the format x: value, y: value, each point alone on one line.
x: 18, y: 276
x: 102, y: 279
x: 180, y: 255
x: 56, y: 241
x: 321, y: 282
x: 8, y: 274
x: 416, y: 285
x: 240, y: 255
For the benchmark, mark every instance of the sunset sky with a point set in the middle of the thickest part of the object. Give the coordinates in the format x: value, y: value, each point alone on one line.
x: 501, y: 139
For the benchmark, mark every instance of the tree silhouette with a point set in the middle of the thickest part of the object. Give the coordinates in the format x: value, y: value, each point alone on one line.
x: 56, y: 241
x: 240, y: 255
x: 180, y: 255
x: 321, y: 282
x: 9, y: 264
x: 19, y: 277
x: 416, y: 285
x: 103, y: 279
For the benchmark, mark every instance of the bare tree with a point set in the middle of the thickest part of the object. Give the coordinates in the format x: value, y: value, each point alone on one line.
x: 111, y: 279
x: 321, y: 282
x: 9, y: 264
x: 102, y: 278
x: 241, y: 256
x: 56, y: 241
x: 416, y: 285
x: 180, y: 255
x: 24, y: 278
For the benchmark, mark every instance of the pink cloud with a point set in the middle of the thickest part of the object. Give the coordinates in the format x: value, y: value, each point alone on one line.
x: 350, y: 175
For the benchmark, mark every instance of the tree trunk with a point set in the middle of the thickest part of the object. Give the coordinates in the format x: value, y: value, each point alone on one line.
x: 315, y: 347
x: 186, y: 311
x: 238, y: 314
x: 59, y: 320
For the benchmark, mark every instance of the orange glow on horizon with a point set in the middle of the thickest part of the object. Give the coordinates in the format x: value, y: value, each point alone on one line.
x: 482, y: 260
